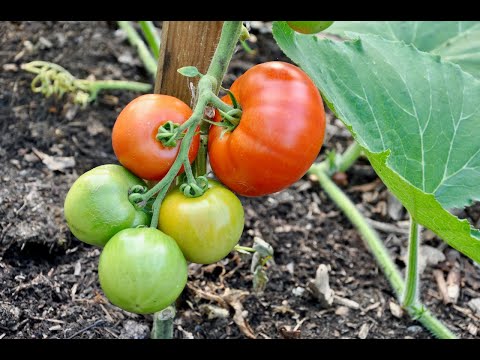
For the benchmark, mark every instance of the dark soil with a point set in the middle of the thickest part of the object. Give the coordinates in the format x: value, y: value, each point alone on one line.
x: 48, y: 279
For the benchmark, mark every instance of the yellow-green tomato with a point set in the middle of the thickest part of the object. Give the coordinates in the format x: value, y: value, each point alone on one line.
x: 142, y: 270
x: 207, y: 227
x: 309, y: 27
x: 97, y: 205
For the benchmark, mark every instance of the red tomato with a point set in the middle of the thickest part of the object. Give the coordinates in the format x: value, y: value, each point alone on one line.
x: 280, y: 133
x: 134, y: 132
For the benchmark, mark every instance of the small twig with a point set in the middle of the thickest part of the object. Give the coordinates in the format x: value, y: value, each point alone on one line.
x: 95, y: 324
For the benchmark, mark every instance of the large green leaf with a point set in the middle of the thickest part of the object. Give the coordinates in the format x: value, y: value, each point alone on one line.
x: 417, y: 117
x: 455, y: 41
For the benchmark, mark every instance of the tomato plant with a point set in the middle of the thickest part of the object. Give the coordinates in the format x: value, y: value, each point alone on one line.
x: 206, y: 227
x: 309, y: 27
x: 280, y: 133
x: 266, y: 134
x: 97, y: 207
x: 142, y: 270
x: 134, y: 135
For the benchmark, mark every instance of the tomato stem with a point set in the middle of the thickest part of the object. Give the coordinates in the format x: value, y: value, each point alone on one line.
x: 163, y: 323
x: 216, y: 102
x: 52, y: 79
x: 376, y: 246
x: 410, y: 295
x: 208, y: 86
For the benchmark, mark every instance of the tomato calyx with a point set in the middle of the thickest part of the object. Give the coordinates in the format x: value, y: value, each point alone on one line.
x: 231, y: 115
x: 135, y: 196
x: 168, y: 134
x: 195, y: 188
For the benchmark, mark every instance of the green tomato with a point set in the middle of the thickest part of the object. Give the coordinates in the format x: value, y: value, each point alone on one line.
x: 207, y: 227
x: 142, y: 270
x: 309, y: 27
x: 97, y: 205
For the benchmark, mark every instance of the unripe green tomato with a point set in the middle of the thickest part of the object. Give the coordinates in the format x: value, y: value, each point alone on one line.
x: 207, y: 227
x: 142, y: 270
x: 309, y: 27
x: 97, y: 205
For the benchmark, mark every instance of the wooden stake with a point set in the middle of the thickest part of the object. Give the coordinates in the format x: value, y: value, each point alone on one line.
x: 184, y: 43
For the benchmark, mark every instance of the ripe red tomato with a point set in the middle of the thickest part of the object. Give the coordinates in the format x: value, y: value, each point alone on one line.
x: 280, y: 133
x: 134, y: 135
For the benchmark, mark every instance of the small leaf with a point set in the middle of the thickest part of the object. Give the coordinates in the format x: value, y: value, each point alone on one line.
x: 189, y: 71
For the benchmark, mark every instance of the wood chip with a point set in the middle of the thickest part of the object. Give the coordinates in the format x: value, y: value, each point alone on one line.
x: 474, y: 304
x: 342, y: 311
x: 320, y: 287
x: 55, y: 163
x: 346, y: 302
x: 442, y: 286
x: 55, y: 328
x: 388, y: 228
x: 363, y: 333
x: 365, y: 187
x: 472, y: 329
x: 395, y: 309
x: 78, y: 269
x: 372, y: 307
x: 234, y: 299
x: 213, y: 312
x: 287, y: 333
x: 453, y: 284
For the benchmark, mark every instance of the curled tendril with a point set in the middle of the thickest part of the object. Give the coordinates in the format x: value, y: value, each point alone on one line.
x: 53, y: 79
x: 136, y: 199
x: 168, y: 134
x: 195, y: 189
x: 137, y: 189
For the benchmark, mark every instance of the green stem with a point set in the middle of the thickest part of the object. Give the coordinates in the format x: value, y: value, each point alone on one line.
x: 378, y: 250
x: 349, y: 157
x: 220, y: 105
x: 136, y: 41
x: 151, y: 35
x: 97, y: 85
x: 183, y: 153
x: 206, y: 85
x: 244, y: 248
x: 163, y: 323
x: 200, y: 163
x: 188, y: 171
x: 410, y: 295
x: 223, y: 53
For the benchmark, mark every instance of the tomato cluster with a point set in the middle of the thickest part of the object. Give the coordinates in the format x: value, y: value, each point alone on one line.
x: 143, y: 269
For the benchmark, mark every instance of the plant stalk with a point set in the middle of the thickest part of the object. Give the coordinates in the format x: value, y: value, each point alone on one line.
x: 207, y: 86
x: 136, y: 41
x: 378, y: 250
x: 349, y: 157
x: 410, y: 295
x: 151, y: 35
x: 163, y: 323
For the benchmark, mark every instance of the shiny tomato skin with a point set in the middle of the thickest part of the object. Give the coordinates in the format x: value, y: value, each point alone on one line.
x: 309, y: 27
x: 280, y: 133
x: 134, y: 135
x: 142, y: 270
x: 206, y: 227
